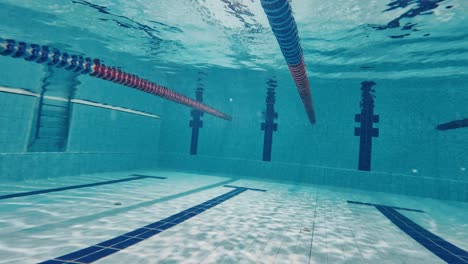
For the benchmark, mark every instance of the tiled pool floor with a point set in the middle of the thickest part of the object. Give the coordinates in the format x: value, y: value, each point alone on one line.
x: 192, y: 218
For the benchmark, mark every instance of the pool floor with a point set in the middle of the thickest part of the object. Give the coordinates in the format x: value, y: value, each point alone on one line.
x: 173, y: 217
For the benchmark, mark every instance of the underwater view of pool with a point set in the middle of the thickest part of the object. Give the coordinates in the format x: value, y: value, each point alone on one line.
x: 233, y: 131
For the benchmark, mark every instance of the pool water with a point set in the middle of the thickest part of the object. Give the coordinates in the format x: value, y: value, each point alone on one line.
x: 289, y: 223
x: 233, y: 131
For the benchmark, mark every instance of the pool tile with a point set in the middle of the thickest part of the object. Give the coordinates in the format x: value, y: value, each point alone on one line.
x: 127, y: 243
x: 149, y: 234
x: 137, y: 232
x: 113, y: 245
x: 80, y: 253
x: 97, y: 255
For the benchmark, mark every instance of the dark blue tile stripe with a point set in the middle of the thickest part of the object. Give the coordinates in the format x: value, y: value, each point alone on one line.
x: 15, y: 195
x: 104, y: 252
x: 55, y: 262
x: 131, y: 238
x: 394, y: 207
x: 251, y: 189
x: 149, y: 176
x: 437, y: 245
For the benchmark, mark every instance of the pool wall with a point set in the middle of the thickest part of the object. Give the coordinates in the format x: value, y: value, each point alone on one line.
x: 296, y: 173
x: 99, y: 140
x: 409, y: 157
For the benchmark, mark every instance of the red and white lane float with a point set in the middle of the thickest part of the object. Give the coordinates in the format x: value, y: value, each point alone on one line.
x: 285, y: 30
x: 94, y: 67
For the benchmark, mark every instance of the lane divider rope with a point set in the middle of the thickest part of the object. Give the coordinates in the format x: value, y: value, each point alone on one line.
x: 284, y: 28
x: 94, y: 67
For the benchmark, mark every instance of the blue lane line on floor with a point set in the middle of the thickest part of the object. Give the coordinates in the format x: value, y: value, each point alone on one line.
x: 148, y: 176
x: 111, y: 246
x: 394, y: 207
x: 140, y: 177
x: 437, y: 245
x: 239, y: 187
x: 440, y: 247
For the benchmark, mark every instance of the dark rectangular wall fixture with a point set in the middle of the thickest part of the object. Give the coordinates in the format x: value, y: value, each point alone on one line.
x: 365, y: 131
x: 196, y: 123
x: 269, y: 126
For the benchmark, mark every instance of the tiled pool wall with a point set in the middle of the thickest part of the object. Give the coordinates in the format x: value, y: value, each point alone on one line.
x: 372, y: 181
x: 24, y: 166
x: 409, y: 156
x: 408, y: 142
x: 99, y: 139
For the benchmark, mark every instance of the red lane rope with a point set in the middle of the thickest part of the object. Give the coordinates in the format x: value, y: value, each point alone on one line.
x: 79, y: 64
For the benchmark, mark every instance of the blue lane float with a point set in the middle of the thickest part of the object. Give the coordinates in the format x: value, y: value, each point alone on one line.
x: 284, y: 28
x: 94, y: 68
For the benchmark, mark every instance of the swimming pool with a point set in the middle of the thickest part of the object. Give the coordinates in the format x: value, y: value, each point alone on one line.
x: 233, y: 131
